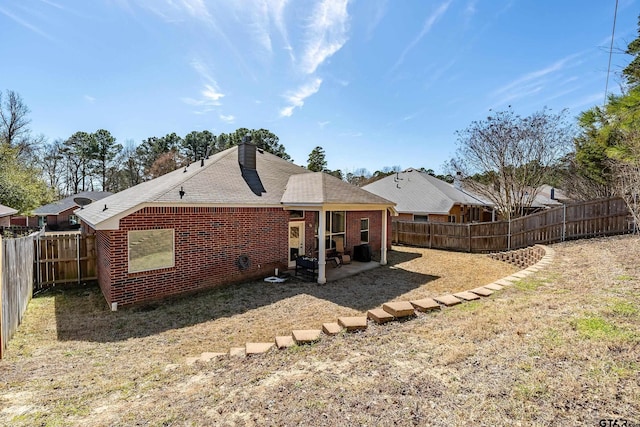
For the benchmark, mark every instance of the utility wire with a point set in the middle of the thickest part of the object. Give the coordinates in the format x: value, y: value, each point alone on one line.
x: 606, y: 87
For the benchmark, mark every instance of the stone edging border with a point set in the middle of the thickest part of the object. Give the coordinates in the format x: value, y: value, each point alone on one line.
x: 531, y: 259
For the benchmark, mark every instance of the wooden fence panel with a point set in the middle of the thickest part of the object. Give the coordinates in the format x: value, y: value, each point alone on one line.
x: 587, y: 219
x: 16, y: 284
x: 65, y: 258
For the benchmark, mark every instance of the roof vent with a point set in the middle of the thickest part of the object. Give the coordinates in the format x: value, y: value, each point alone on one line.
x: 247, y: 153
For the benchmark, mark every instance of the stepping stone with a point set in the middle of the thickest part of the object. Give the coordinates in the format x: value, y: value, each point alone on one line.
x: 378, y: 315
x: 352, y: 324
x: 447, y: 300
x: 483, y: 292
x: 306, y: 336
x: 258, y: 347
x: 532, y: 269
x: 284, y: 341
x: 425, y: 304
x: 237, y: 352
x: 205, y: 357
x: 506, y: 281
x: 521, y: 274
x: 192, y: 360
x: 399, y: 309
x: 331, y: 328
x: 494, y: 287
x: 466, y: 295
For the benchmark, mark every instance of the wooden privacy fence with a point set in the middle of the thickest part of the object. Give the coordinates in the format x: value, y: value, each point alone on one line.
x: 65, y: 258
x: 16, y: 284
x: 573, y: 221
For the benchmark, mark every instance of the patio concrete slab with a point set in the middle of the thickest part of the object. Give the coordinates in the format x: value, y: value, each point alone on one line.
x: 448, y: 300
x: 425, y: 304
x: 399, y: 309
x: 237, y: 352
x: 258, y: 347
x: 466, y: 295
x: 352, y: 324
x: 378, y: 315
x: 284, y: 341
x: 306, y: 336
x: 483, y: 292
x: 494, y: 287
x: 331, y: 328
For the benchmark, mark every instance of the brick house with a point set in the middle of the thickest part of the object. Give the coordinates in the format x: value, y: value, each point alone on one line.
x: 422, y: 197
x: 230, y: 218
x: 5, y: 215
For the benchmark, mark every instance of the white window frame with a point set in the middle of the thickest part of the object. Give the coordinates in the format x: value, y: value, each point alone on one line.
x: 134, y: 235
x: 362, y: 230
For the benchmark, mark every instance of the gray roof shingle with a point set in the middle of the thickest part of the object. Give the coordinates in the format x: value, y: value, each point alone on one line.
x: 62, y: 205
x: 7, y: 211
x: 222, y: 182
x: 418, y: 192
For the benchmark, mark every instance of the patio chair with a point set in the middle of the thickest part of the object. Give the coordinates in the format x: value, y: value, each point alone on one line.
x: 343, y: 255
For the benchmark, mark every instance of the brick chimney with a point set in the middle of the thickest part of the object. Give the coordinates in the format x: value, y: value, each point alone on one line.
x: 247, y: 153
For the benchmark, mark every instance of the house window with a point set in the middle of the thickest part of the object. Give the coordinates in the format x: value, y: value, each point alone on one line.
x: 151, y: 250
x: 73, y: 220
x: 296, y: 214
x: 364, y: 230
x: 421, y: 218
x: 452, y: 218
x: 335, y: 226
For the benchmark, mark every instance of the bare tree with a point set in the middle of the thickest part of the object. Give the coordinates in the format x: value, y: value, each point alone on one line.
x: 50, y: 158
x: 14, y: 123
x: 506, y: 157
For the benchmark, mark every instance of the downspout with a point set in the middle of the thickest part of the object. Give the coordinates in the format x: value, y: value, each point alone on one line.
x: 383, y: 249
x: 322, y: 279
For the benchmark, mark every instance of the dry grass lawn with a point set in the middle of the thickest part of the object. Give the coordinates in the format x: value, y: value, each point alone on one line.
x: 561, y: 347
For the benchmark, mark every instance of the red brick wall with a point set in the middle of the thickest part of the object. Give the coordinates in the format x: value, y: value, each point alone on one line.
x: 208, y: 243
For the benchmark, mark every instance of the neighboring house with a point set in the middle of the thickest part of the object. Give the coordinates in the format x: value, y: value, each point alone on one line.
x: 60, y: 215
x: 235, y: 216
x: 545, y: 197
x: 422, y: 197
x: 5, y: 215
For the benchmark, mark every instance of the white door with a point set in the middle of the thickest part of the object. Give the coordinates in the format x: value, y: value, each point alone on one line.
x: 296, y: 241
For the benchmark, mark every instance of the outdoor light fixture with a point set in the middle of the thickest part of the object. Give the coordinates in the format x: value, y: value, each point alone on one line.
x: 181, y: 192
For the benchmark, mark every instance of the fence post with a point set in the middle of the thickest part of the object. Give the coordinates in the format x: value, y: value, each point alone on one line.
x: 1, y: 302
x: 78, y: 254
x: 469, y: 233
x: 564, y: 222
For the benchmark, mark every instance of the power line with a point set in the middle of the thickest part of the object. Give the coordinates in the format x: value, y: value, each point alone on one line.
x: 606, y: 87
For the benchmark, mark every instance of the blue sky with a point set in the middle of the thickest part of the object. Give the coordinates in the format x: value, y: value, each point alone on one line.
x: 375, y: 83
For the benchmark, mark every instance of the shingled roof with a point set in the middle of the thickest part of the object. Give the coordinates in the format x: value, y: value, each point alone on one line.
x: 56, y: 208
x: 418, y: 192
x: 7, y: 211
x: 222, y: 181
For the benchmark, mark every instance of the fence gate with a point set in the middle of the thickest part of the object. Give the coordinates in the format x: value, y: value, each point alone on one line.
x: 65, y: 258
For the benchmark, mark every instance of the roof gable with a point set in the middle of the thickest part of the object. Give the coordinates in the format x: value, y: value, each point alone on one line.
x: 62, y: 205
x: 7, y: 211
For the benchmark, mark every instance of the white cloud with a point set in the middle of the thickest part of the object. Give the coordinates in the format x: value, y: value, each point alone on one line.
x: 25, y: 24
x: 212, y: 94
x: 296, y: 99
x: 227, y: 118
x: 89, y: 99
x: 426, y: 27
x: 326, y: 33
x: 324, y: 123
x: 533, y: 82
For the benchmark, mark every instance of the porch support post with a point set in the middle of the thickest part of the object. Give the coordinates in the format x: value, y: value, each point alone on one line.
x: 383, y: 249
x: 322, y: 279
